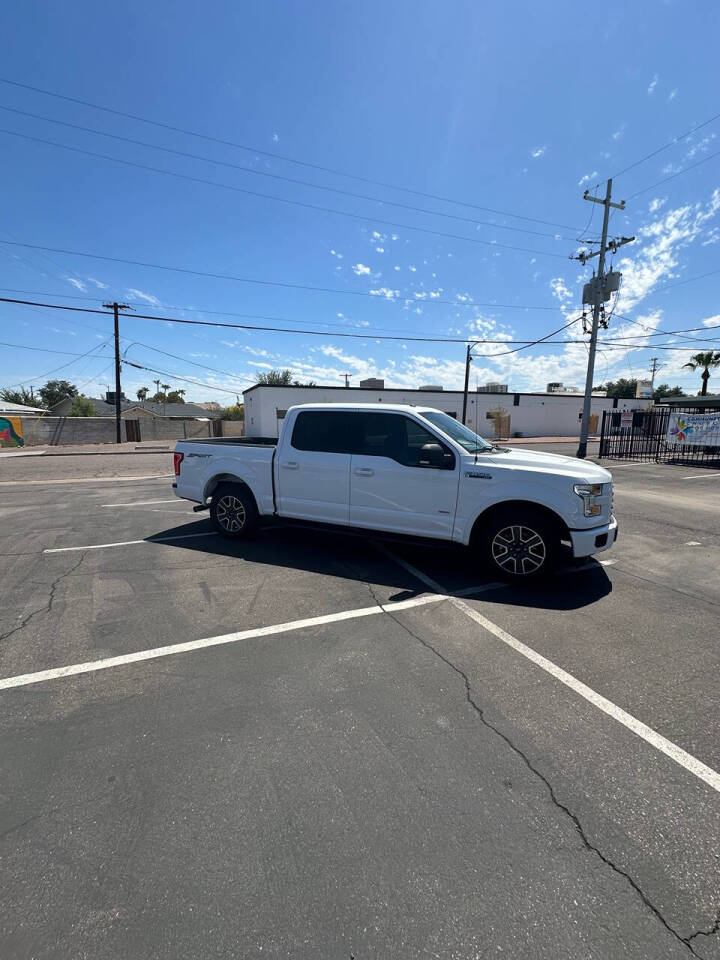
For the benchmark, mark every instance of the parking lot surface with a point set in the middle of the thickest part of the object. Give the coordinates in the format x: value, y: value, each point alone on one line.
x: 315, y: 745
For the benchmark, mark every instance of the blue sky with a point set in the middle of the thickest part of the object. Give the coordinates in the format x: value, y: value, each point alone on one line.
x: 503, y: 106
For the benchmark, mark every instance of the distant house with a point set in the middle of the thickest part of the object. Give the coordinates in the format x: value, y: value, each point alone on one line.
x: 133, y: 409
x: 8, y: 409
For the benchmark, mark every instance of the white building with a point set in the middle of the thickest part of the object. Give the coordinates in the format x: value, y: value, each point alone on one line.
x: 530, y: 414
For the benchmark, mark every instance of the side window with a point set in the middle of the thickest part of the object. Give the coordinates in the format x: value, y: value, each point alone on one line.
x: 394, y: 436
x: 323, y: 431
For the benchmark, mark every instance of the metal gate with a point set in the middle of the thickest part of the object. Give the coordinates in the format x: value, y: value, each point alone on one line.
x: 662, y: 435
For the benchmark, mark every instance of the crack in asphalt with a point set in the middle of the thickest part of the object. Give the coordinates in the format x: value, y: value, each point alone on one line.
x: 48, y: 606
x: 685, y: 941
x: 715, y: 928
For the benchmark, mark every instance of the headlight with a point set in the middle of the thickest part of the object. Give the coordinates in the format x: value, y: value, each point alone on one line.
x: 589, y: 492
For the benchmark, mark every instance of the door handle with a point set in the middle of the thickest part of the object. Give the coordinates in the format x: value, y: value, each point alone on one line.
x: 291, y: 465
x: 364, y: 472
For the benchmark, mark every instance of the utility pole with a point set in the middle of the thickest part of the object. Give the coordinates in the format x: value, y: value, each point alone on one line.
x: 116, y: 308
x: 653, y: 370
x: 468, y: 361
x: 598, y: 296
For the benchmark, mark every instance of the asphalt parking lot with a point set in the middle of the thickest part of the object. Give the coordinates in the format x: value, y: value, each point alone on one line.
x: 325, y: 746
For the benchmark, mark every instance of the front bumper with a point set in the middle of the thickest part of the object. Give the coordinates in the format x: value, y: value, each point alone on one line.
x: 595, y: 540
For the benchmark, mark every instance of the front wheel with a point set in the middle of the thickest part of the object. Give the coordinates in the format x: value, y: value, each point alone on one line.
x: 233, y: 511
x: 520, y: 546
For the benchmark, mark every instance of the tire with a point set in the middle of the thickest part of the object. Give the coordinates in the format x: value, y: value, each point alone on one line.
x: 520, y: 545
x: 233, y: 511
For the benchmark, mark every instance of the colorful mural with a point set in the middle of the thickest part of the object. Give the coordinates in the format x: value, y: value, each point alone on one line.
x: 11, y: 434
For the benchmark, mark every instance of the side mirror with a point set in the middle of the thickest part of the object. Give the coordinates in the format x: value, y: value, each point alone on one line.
x: 434, y: 455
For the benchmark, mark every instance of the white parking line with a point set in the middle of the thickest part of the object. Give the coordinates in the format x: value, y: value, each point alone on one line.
x: 128, y: 543
x: 93, y: 666
x: 25, y: 483
x: 141, y: 503
x: 703, y: 476
x: 650, y: 736
x: 656, y: 740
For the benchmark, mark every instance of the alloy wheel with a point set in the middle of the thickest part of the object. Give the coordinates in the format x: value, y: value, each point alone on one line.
x: 230, y: 513
x: 519, y: 550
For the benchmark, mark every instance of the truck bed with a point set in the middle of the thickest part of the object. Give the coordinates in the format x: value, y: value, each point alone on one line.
x: 235, y: 441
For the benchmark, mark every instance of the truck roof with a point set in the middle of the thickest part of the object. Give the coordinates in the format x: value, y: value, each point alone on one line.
x: 394, y: 407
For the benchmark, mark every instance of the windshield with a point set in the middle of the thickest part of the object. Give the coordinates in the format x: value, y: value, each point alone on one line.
x: 459, y: 433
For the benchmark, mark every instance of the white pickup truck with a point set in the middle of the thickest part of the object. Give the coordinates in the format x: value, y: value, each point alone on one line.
x: 406, y: 470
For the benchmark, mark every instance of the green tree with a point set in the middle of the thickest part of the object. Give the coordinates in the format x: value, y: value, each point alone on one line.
x: 281, y: 378
x: 142, y: 394
x: 706, y: 362
x: 56, y: 390
x: 176, y: 396
x: 665, y: 390
x: 622, y: 388
x: 234, y: 412
x: 82, y: 407
x: 20, y: 395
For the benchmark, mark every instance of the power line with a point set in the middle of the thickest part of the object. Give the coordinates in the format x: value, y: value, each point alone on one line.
x: 270, y: 283
x: 670, y: 143
x: 43, y: 376
x: 277, y: 176
x: 277, y: 156
x: 22, y: 346
x: 672, y: 176
x: 267, y: 196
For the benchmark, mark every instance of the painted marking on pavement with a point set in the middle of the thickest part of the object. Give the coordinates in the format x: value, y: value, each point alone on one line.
x: 141, y: 503
x: 128, y: 543
x: 25, y: 483
x: 93, y: 666
x: 693, y: 543
x: 703, y: 476
x: 656, y: 740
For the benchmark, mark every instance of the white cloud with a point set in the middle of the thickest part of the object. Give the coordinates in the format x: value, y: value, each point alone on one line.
x: 141, y: 295
x: 360, y: 269
x: 99, y: 284
x: 700, y: 147
x: 334, y: 253
x: 78, y: 284
x: 587, y: 178
x: 385, y: 292
x: 394, y: 236
x: 673, y: 93
x: 656, y: 204
x: 379, y: 249
x: 275, y: 138
x: 560, y: 290
x: 538, y: 152
x: 653, y: 84
x: 620, y: 131
x: 712, y: 237
x: 412, y: 269
x: 396, y: 268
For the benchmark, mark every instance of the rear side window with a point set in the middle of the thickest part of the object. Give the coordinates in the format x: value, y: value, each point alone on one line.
x: 323, y: 431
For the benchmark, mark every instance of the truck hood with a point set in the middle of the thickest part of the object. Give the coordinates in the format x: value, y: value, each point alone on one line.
x: 580, y: 471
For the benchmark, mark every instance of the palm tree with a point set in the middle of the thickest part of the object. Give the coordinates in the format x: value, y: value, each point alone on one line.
x: 142, y: 394
x: 704, y: 361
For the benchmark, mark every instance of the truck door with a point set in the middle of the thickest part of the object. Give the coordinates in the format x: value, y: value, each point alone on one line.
x: 313, y: 467
x: 398, y: 483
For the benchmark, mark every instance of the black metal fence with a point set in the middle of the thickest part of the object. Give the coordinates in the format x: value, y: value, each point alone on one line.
x: 662, y: 435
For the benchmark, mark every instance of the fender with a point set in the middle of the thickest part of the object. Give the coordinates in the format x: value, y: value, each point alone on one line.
x: 254, y: 474
x: 546, y: 496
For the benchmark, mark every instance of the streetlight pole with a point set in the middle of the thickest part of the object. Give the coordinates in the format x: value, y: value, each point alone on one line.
x: 116, y: 308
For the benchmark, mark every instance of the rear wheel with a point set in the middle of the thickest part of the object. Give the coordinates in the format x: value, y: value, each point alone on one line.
x: 233, y: 511
x: 520, y: 545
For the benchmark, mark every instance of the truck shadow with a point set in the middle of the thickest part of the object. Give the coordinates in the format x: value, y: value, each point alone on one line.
x: 378, y: 560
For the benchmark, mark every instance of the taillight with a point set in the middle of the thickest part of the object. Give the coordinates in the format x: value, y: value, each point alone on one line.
x: 177, y: 460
